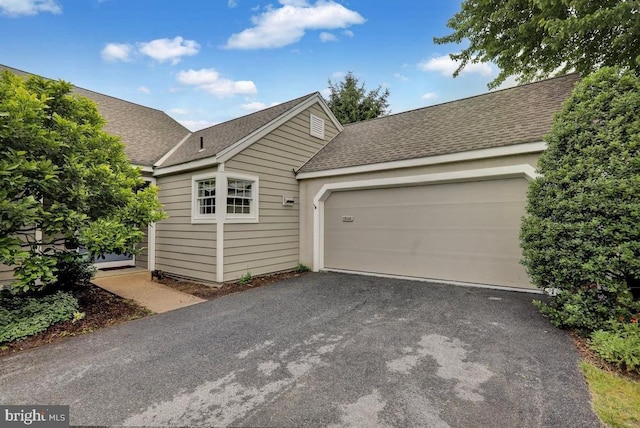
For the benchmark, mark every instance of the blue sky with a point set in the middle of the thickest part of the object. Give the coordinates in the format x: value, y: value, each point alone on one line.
x: 208, y: 61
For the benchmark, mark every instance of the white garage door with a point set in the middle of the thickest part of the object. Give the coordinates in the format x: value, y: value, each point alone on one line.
x: 464, y: 232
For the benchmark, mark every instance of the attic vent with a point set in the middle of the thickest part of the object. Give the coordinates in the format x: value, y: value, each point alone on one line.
x: 317, y: 127
x: 201, y: 144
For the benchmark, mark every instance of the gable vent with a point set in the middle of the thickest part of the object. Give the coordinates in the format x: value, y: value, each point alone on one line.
x: 317, y: 127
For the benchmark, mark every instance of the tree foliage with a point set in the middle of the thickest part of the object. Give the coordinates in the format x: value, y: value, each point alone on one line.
x: 535, y: 38
x: 582, y: 235
x: 63, y: 181
x: 350, y: 102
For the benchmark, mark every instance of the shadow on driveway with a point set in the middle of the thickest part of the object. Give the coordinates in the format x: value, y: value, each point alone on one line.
x: 318, y: 350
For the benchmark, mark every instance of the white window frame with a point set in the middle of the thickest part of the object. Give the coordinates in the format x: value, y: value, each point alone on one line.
x: 222, y: 186
x: 254, y: 209
x: 196, y: 216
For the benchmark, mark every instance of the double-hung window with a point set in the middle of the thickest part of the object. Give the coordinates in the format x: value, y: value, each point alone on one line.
x: 239, y: 196
x: 219, y: 196
x: 206, y: 199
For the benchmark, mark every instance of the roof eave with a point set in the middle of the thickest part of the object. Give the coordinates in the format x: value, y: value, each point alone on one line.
x: 515, y: 149
x: 187, y: 166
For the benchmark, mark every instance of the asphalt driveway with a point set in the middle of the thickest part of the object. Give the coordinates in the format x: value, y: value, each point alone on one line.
x: 318, y: 350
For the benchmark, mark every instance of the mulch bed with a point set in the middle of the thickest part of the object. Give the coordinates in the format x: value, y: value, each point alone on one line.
x: 209, y: 292
x: 101, y: 309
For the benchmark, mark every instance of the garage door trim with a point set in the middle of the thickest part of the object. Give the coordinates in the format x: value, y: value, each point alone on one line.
x: 514, y: 171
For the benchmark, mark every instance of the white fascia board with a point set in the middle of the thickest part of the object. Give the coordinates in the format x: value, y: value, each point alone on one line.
x: 143, y: 168
x: 247, y: 141
x: 493, y: 152
x: 172, y: 151
x: 512, y: 171
x: 188, y: 166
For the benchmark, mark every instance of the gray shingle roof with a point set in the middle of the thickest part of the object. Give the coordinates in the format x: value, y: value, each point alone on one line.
x: 511, y: 116
x: 147, y: 133
x: 218, y: 137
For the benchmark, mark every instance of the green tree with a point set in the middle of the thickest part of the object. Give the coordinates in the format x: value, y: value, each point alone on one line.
x: 350, y: 102
x: 535, y: 38
x: 63, y: 181
x: 581, y: 237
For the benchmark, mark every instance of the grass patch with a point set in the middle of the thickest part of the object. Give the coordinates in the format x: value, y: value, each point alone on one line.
x: 616, y: 400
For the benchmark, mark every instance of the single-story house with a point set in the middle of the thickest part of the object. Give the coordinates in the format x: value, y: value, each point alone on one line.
x: 435, y: 193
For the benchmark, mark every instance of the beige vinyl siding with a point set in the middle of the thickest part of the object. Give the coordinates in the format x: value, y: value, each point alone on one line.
x: 272, y: 244
x: 6, y: 273
x: 142, y: 258
x: 184, y: 249
x: 310, y: 187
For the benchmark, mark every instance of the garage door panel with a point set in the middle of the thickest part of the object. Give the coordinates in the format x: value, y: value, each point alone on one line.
x: 421, y: 241
x: 458, y: 231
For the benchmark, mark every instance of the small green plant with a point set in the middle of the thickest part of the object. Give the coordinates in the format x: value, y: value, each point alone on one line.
x: 24, y: 316
x: 302, y: 268
x: 620, y: 345
x: 245, y: 279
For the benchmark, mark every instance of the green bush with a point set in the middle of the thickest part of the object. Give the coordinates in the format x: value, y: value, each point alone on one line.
x: 245, y: 279
x: 586, y: 309
x: 581, y: 237
x: 73, y: 269
x: 620, y: 345
x: 302, y: 268
x: 24, y: 316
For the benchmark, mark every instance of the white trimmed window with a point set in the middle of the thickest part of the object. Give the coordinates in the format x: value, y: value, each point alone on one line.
x: 203, y: 198
x: 228, y: 198
x: 206, y: 198
x: 239, y: 196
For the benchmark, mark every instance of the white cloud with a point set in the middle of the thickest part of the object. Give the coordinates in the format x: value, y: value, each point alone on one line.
x: 179, y: 111
x: 169, y: 49
x: 144, y: 89
x: 401, y: 77
x: 509, y: 82
x: 232, y: 3
x: 254, y: 106
x: 277, y: 27
x: 195, y: 125
x: 209, y: 80
x: 429, y: 96
x: 338, y: 75
x: 327, y: 37
x: 116, y: 52
x: 326, y: 93
x: 446, y: 66
x: 348, y: 33
x: 257, y: 105
x: 28, y: 7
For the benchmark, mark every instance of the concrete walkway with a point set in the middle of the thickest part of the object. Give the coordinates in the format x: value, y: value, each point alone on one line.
x: 136, y: 285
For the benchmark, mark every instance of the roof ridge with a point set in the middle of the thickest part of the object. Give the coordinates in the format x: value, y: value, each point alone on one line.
x: 85, y: 89
x: 248, y: 115
x: 484, y: 94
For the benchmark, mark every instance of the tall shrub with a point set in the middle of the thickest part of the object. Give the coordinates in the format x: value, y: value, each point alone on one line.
x: 581, y: 238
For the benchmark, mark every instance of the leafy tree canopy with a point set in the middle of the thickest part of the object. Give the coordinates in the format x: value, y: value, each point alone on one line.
x: 63, y: 180
x: 582, y: 235
x: 350, y: 102
x: 535, y: 38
